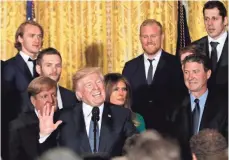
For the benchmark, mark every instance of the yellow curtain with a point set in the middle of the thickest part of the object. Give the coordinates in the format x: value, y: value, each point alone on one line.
x: 96, y: 33
x: 12, y: 14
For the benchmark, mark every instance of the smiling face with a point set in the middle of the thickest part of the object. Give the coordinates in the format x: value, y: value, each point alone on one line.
x: 196, y: 77
x: 151, y: 38
x: 31, y: 41
x: 90, y: 89
x: 215, y: 24
x: 119, y: 93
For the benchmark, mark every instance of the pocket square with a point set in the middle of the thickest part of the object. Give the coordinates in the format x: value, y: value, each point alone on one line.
x: 109, y: 115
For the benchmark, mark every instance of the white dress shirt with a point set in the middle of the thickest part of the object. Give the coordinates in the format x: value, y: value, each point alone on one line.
x: 221, y: 40
x: 87, y: 116
x: 155, y: 62
x: 25, y: 57
x: 59, y: 99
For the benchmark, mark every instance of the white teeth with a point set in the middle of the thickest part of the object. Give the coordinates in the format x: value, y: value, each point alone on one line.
x: 97, y: 94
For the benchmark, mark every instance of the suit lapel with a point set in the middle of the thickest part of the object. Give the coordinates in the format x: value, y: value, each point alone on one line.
x: 23, y: 67
x: 188, y: 115
x: 79, y: 119
x: 160, y: 66
x: 210, y: 110
x: 206, y: 48
x: 105, y: 130
x: 223, y: 61
x: 140, y: 70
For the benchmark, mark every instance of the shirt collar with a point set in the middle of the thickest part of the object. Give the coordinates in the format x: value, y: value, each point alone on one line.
x: 221, y: 38
x: 87, y: 109
x: 156, y: 56
x: 202, y: 98
x: 24, y: 56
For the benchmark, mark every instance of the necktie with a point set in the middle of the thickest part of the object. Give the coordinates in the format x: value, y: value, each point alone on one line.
x: 91, y: 136
x: 214, y: 55
x: 34, y: 67
x: 150, y: 72
x: 196, y: 116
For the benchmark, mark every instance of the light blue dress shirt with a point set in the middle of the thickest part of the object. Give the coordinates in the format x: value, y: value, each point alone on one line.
x: 202, y: 101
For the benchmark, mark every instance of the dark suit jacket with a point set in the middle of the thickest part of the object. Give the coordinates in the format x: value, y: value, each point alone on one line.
x: 215, y: 116
x: 16, y: 78
x: 115, y: 128
x: 219, y: 79
x: 23, y: 137
x: 68, y: 97
x: 151, y: 100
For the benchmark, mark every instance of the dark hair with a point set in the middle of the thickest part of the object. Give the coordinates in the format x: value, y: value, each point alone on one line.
x: 216, y: 4
x: 151, y: 22
x: 47, y: 51
x: 192, y: 49
x: 20, y: 32
x: 209, y: 144
x: 201, y: 59
x: 111, y: 79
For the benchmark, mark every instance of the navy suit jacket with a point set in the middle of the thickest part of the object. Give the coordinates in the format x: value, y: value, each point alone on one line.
x: 68, y: 97
x: 115, y: 128
x: 24, y: 136
x: 219, y: 79
x: 215, y: 116
x: 16, y: 78
x: 151, y: 100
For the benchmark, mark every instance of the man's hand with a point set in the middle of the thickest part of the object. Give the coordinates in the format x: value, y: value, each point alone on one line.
x: 46, y: 124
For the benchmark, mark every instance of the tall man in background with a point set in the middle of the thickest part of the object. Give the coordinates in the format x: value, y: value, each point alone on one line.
x: 49, y: 64
x: 155, y: 77
x: 215, y: 44
x: 18, y: 72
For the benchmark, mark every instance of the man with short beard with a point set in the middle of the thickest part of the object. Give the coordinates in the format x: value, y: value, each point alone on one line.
x: 155, y: 77
x: 49, y: 64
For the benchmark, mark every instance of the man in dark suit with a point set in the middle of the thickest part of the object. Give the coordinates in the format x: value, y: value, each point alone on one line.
x: 153, y: 85
x: 201, y: 108
x: 215, y: 45
x: 24, y: 130
x: 49, y: 64
x: 19, y: 71
x: 114, y: 124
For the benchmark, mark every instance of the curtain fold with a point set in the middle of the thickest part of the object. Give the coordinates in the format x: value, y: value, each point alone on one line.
x: 96, y: 33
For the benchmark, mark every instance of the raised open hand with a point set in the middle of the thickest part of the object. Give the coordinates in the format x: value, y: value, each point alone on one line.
x: 46, y: 124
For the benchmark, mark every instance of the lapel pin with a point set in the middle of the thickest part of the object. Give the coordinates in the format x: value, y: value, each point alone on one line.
x: 109, y: 115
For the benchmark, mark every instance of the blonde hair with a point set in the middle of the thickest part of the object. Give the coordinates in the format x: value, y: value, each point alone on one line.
x: 149, y: 22
x: 83, y: 72
x: 40, y: 84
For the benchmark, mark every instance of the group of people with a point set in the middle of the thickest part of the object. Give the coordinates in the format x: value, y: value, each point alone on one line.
x: 178, y: 97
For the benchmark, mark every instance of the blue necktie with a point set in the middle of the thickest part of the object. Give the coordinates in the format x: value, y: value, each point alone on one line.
x: 91, y: 137
x: 196, y: 116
